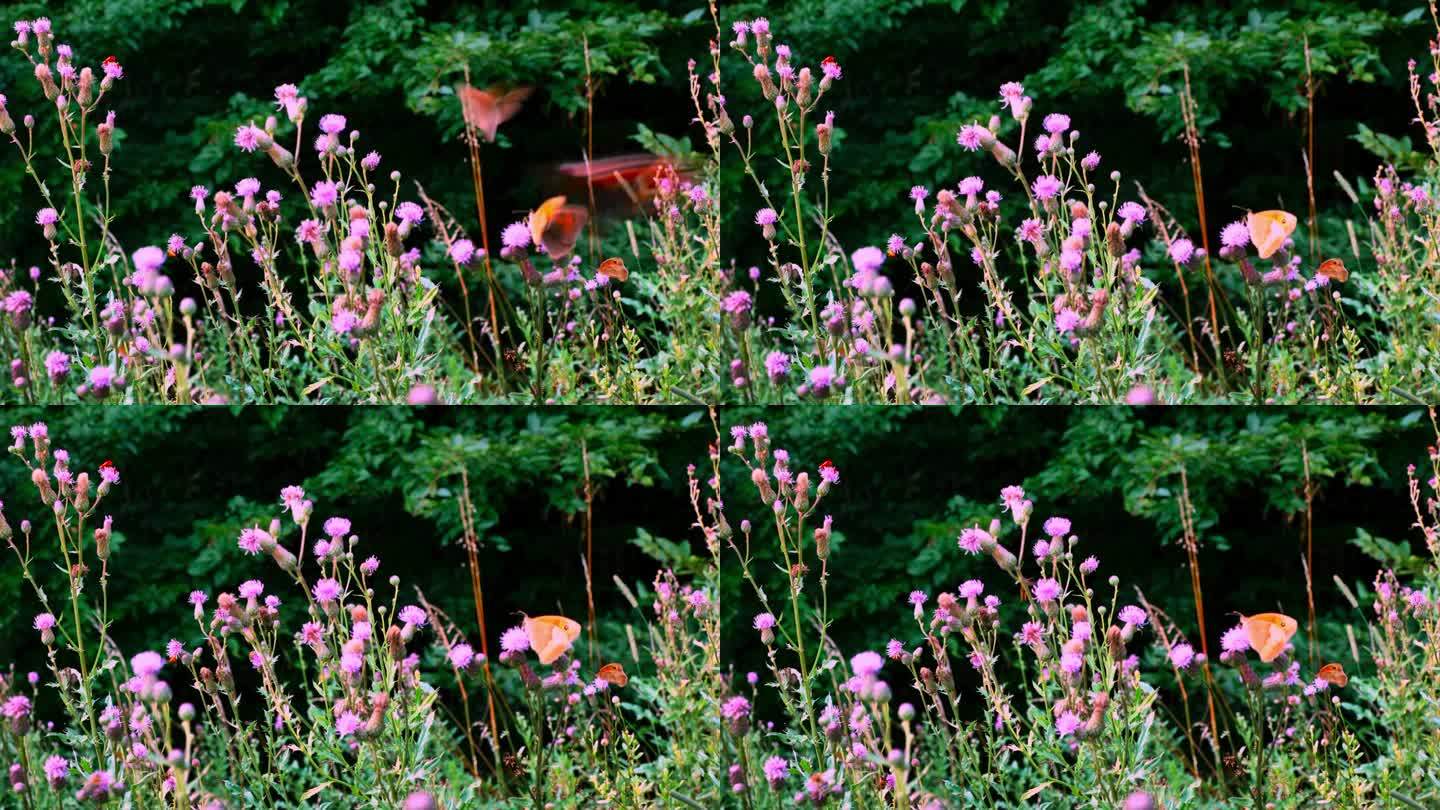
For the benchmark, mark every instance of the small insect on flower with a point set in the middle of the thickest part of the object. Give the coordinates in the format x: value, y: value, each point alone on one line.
x: 614, y: 268
x: 1333, y: 269
x: 551, y: 636
x: 1269, y: 230
x: 613, y: 674
x: 1334, y: 674
x: 1269, y: 633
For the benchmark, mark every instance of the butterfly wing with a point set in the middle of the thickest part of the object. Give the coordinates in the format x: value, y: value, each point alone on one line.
x: 541, y: 216
x: 614, y: 268
x: 1269, y: 633
x: 508, y: 104
x: 480, y: 110
x: 1334, y: 674
x: 563, y: 231
x: 1269, y: 230
x: 568, y: 628
x: 613, y: 674
x: 551, y: 636
x: 1334, y: 269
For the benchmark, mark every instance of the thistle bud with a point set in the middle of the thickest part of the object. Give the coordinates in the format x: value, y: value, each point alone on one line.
x: 87, y: 87
x: 102, y: 540
x: 762, y: 75
x: 47, y: 81
x: 41, y: 480
x: 762, y: 483
x: 822, y: 540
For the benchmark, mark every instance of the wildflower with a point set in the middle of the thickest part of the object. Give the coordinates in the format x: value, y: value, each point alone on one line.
x: 98, y: 787
x: 370, y: 566
x: 462, y: 251
x: 766, y: 217
x: 1047, y: 590
x: 764, y: 621
x: 253, y: 539
x: 1133, y: 615
x: 47, y: 216
x: 371, y: 161
x: 1235, y: 640
x: 251, y: 588
x: 326, y: 590
x: 515, y: 640
x: 1235, y: 235
x: 1090, y: 565
x: 57, y: 770
x: 1066, y: 320
x: 1182, y: 251
x: 1056, y: 123
x: 146, y: 664
x: 1057, y: 527
x: 1071, y: 662
x: 57, y: 365
x: 737, y: 306
x: 412, y: 614
x: 1066, y: 724
x: 1182, y: 655
x: 346, y: 724
x: 1090, y: 162
x: 324, y: 194
x: 972, y: 539
x: 516, y: 236
x: 867, y: 664
x: 408, y: 212
x: 736, y: 713
x: 461, y: 655
x: 1046, y: 186
x: 776, y: 769
x: 777, y: 366
x: 337, y: 527
x: 971, y: 588
x: 1131, y: 212
x: 973, y: 136
x: 250, y: 137
x: 1031, y: 633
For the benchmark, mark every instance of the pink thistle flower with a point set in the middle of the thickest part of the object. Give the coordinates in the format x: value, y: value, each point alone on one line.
x: 1046, y: 186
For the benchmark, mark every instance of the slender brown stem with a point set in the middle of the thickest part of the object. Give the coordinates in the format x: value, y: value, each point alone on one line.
x: 1309, y: 551
x: 1192, y: 551
x: 590, y: 554
x: 1310, y: 150
x: 472, y: 542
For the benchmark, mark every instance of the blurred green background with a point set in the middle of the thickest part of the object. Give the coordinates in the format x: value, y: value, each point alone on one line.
x: 192, y: 479
x: 912, y: 479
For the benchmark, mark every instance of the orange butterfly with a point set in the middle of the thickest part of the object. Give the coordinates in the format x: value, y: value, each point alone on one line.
x: 614, y: 268
x: 1269, y: 633
x: 107, y: 463
x: 557, y: 226
x: 1334, y: 269
x: 613, y: 674
x: 620, y: 170
x: 487, y: 109
x: 1269, y: 230
x: 551, y: 636
x: 1334, y: 674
